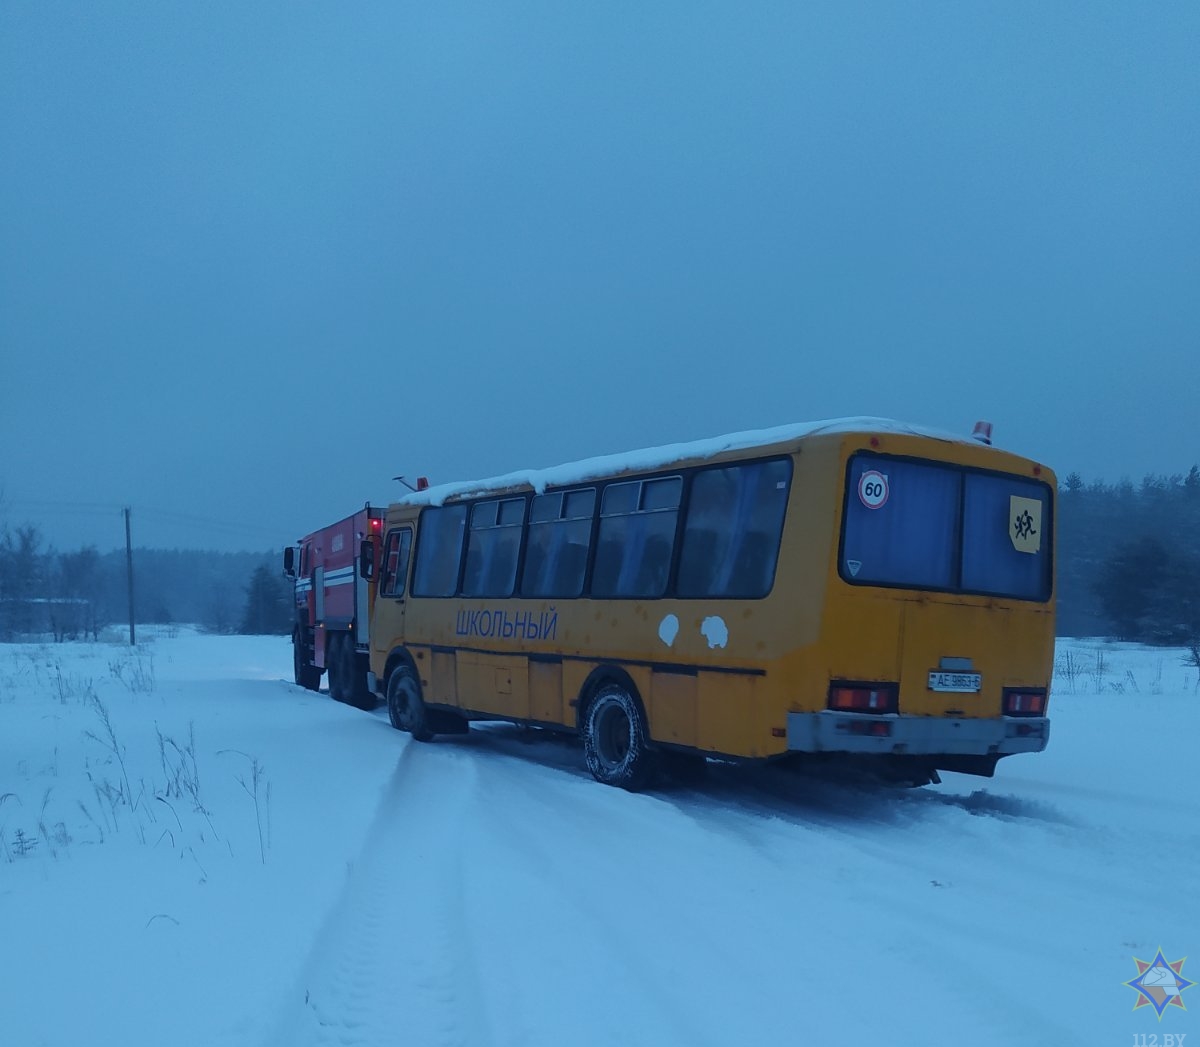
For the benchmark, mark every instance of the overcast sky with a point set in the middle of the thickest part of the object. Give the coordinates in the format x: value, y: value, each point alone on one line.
x: 256, y: 259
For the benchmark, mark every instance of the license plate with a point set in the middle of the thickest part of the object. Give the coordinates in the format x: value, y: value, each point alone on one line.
x: 956, y: 683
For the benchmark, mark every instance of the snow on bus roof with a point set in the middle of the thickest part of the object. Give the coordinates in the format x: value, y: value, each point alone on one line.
x: 648, y: 458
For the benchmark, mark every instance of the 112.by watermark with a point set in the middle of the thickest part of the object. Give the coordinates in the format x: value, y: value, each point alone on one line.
x: 1141, y: 1039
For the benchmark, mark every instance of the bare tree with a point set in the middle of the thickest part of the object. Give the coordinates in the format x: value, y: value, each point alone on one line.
x: 21, y: 579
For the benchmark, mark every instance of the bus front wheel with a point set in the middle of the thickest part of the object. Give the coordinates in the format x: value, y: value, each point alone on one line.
x: 614, y: 740
x: 406, y: 708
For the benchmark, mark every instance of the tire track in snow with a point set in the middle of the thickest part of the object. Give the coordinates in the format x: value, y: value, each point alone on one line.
x: 462, y: 924
x: 499, y: 900
x: 393, y: 962
x: 611, y: 934
x: 1002, y: 845
x: 908, y: 917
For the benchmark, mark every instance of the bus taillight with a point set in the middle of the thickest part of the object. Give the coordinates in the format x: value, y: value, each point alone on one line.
x: 863, y: 698
x: 1024, y: 702
x: 870, y: 728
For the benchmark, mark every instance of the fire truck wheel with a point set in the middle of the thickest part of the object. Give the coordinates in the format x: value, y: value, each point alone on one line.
x: 347, y: 677
x: 352, y: 676
x: 334, y: 665
x: 361, y: 696
x: 306, y: 675
x: 341, y: 668
x: 406, y: 708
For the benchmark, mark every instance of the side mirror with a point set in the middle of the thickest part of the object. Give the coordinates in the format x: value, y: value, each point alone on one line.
x: 366, y: 559
x: 289, y: 562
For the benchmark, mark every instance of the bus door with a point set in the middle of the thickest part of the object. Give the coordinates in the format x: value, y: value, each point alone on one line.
x: 393, y: 586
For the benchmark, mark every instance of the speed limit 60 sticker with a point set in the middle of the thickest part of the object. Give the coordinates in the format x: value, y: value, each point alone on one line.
x: 873, y: 489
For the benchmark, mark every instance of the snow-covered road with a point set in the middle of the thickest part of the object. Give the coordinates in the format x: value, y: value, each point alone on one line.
x: 484, y: 890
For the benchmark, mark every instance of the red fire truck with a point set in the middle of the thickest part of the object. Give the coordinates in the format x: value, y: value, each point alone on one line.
x: 333, y: 605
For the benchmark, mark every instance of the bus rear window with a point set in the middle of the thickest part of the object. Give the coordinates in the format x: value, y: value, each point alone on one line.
x: 901, y: 523
x: 923, y: 525
x: 1005, y: 551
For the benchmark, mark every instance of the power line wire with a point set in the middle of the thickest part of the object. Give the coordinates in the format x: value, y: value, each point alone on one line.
x: 153, y: 512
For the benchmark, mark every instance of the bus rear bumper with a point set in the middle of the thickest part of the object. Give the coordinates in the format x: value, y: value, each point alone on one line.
x: 830, y: 732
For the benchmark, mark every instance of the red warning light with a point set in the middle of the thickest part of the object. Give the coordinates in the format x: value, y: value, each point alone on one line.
x: 422, y: 483
x: 983, y: 432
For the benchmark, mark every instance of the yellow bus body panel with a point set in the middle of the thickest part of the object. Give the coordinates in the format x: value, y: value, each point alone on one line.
x: 729, y: 690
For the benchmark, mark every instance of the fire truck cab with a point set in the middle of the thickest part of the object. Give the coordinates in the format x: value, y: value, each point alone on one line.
x: 334, y: 597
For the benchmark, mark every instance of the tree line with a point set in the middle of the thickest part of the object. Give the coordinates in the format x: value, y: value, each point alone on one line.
x: 1129, y: 559
x: 79, y: 594
x: 1128, y: 566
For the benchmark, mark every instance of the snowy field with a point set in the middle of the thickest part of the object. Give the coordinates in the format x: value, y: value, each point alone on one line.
x: 193, y: 851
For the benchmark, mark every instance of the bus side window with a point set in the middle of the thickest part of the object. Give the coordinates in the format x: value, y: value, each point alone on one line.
x: 493, y: 544
x: 572, y: 564
x: 701, y: 547
x: 637, y: 537
x: 733, y: 528
x: 439, y: 550
x: 556, y: 551
x: 473, y: 572
x: 655, y: 565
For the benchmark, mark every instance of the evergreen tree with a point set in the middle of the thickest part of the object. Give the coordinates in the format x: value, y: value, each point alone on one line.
x: 1191, y: 483
x: 268, y: 610
x: 1099, y: 555
x: 1127, y: 585
x: 1151, y: 594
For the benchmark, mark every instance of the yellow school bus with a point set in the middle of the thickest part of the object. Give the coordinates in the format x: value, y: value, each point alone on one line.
x: 856, y: 590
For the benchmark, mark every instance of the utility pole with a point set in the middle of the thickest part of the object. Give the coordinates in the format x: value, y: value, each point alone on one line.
x: 129, y: 574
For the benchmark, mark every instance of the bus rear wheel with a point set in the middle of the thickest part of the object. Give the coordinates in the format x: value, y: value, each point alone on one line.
x: 615, y: 740
x: 406, y: 708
